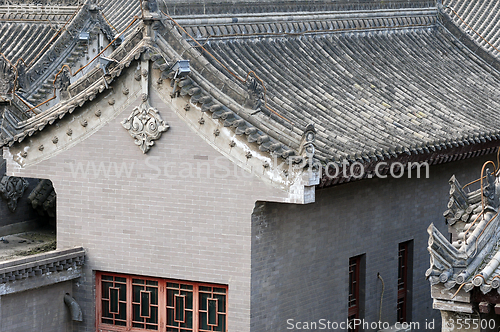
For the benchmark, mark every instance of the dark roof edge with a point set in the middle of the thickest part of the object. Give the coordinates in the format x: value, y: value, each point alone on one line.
x: 383, y: 167
x: 66, y: 257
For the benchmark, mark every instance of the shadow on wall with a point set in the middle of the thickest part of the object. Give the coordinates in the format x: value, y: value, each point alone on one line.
x: 25, y: 204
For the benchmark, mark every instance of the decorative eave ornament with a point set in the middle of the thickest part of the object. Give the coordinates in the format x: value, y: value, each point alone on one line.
x: 472, y: 258
x: 11, y: 189
x: 7, y: 78
x: 145, y: 125
x: 307, y: 145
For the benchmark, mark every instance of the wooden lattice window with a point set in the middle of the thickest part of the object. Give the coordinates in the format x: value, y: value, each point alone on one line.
x: 404, y: 277
x: 354, y: 300
x: 113, y: 300
x: 145, y: 304
x: 133, y: 303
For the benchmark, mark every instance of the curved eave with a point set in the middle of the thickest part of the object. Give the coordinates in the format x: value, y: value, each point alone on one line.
x: 222, y: 98
x: 383, y: 163
x: 478, y: 21
x: 472, y: 258
x: 94, y: 83
x: 490, y: 57
x: 83, y: 90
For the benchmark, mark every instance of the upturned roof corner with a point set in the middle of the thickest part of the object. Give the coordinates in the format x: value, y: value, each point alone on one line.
x: 471, y: 260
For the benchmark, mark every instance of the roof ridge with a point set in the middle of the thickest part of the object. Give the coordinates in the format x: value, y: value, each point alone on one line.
x: 41, y: 74
x: 179, y: 8
x: 290, y: 16
x: 36, y: 13
x: 38, y: 71
x: 310, y: 23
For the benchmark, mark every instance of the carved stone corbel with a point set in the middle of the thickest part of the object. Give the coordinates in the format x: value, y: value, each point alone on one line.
x: 11, y: 189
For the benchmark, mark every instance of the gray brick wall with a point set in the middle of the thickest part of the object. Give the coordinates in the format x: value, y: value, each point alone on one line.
x: 196, y: 229
x: 300, y: 253
x: 41, y: 310
x: 200, y: 229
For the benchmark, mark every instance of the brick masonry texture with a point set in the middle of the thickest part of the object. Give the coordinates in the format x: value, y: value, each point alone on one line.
x: 41, y: 310
x: 287, y: 261
x: 195, y: 229
x: 300, y: 253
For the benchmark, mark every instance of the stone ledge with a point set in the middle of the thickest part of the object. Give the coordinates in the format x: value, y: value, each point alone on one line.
x: 452, y: 306
x: 19, y: 227
x: 439, y: 292
x: 59, y: 263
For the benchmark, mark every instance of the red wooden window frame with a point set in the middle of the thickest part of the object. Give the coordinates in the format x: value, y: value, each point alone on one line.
x: 216, y: 293
x: 402, y: 303
x: 354, y: 299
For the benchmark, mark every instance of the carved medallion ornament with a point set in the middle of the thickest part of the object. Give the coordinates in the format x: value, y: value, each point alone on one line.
x: 11, y: 189
x: 145, y: 125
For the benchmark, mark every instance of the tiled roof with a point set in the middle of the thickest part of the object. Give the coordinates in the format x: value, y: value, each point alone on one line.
x: 23, y: 40
x: 66, y: 49
x: 372, y: 93
x: 120, y: 13
x: 26, y: 30
x: 46, y: 38
x: 83, y: 90
x: 219, y: 8
x: 472, y: 259
x: 376, y: 84
x: 477, y: 18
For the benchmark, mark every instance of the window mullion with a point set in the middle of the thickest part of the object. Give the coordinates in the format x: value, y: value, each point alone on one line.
x: 227, y: 307
x: 162, y: 305
x: 98, y: 299
x: 196, y: 314
x: 129, y: 302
